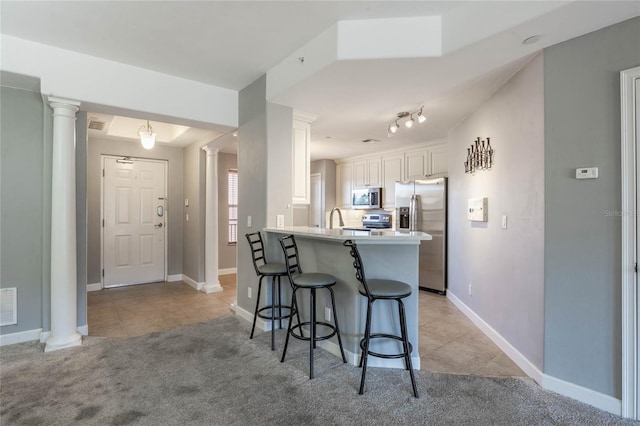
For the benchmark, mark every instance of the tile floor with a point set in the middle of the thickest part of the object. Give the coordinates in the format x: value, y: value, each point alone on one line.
x: 449, y: 342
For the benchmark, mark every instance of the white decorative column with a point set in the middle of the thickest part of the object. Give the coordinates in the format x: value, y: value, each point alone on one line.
x: 212, y: 284
x: 64, y: 322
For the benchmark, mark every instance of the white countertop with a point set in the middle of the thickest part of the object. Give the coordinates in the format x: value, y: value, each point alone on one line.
x: 375, y: 235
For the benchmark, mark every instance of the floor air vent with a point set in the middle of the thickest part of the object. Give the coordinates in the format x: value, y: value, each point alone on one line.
x: 8, y: 308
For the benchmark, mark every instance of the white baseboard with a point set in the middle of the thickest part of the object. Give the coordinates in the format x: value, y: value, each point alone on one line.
x: 582, y: 394
x: 174, y: 278
x: 193, y: 283
x: 20, y: 337
x: 261, y: 324
x: 227, y: 271
x: 94, y: 287
x: 521, y: 361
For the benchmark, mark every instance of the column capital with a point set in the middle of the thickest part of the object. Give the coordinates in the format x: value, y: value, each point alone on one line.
x: 56, y: 102
x: 211, y: 150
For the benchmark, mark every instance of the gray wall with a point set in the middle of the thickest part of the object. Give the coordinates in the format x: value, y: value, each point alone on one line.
x: 81, y: 214
x: 98, y: 147
x: 227, y: 252
x: 252, y: 181
x: 505, y: 267
x: 264, y: 167
x: 583, y: 245
x: 25, y: 187
x: 194, y: 187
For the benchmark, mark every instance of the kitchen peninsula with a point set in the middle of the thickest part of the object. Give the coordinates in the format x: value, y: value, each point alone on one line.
x: 385, y: 254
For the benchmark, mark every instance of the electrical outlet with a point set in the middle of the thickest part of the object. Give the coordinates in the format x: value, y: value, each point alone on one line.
x: 249, y: 292
x: 280, y: 221
x: 327, y: 314
x: 469, y: 289
x: 504, y: 221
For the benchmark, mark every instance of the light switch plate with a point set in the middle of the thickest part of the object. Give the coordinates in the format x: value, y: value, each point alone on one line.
x: 280, y: 221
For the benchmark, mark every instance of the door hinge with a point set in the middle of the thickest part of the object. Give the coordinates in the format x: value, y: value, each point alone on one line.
x: 635, y: 268
x: 103, y: 273
x: 102, y: 172
x: 103, y: 223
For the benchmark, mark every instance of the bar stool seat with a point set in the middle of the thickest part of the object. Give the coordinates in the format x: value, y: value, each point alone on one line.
x: 311, y: 281
x: 273, y: 270
x: 382, y: 289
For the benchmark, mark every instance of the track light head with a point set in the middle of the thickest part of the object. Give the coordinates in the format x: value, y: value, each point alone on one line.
x: 421, y: 118
x: 409, y: 122
x: 394, y: 127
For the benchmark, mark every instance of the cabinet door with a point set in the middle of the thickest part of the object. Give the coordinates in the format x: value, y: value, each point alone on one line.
x: 360, y: 174
x: 392, y: 168
x: 416, y: 164
x: 374, y: 172
x: 301, y: 162
x: 439, y: 161
x: 344, y: 179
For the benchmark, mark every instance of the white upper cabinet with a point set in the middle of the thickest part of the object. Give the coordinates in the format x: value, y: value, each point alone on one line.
x: 367, y: 173
x: 344, y: 184
x: 301, y: 155
x: 427, y: 162
x: 392, y: 172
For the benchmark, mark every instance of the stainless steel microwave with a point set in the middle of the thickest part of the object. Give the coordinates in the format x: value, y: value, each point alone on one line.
x: 367, y: 198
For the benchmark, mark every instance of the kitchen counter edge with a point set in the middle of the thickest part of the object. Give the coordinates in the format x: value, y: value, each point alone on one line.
x: 382, y: 236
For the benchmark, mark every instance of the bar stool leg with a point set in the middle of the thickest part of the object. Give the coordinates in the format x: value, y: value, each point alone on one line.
x: 405, y: 343
x: 273, y: 313
x: 294, y: 303
x: 335, y: 320
x: 255, y: 313
x: 312, y: 337
x: 279, y: 304
x: 365, y: 350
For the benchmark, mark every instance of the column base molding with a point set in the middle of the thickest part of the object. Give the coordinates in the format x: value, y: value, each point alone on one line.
x: 212, y: 288
x: 54, y: 344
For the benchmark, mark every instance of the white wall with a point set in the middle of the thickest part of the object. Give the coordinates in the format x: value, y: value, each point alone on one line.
x: 505, y: 267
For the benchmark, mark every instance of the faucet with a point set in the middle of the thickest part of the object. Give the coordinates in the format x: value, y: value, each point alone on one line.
x: 331, y: 217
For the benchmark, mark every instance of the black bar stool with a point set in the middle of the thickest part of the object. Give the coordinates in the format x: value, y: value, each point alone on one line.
x: 308, y: 281
x: 273, y: 270
x: 381, y: 289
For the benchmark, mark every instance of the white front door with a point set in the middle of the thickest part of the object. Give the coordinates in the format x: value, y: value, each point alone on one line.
x: 134, y: 221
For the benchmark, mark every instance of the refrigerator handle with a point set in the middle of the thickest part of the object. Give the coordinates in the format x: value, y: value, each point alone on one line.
x: 413, y: 213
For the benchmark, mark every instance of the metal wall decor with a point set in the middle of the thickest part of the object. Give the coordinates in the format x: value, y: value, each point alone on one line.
x: 479, y: 156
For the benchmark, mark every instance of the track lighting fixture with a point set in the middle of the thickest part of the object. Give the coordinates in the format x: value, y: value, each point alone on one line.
x: 394, y: 126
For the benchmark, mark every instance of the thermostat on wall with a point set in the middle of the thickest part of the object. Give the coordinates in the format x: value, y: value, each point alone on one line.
x: 478, y: 209
x: 587, y: 173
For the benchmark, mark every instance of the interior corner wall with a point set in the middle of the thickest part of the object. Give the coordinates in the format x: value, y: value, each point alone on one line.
x: 505, y: 267
x: 25, y: 181
x: 193, y: 190
x: 227, y: 256
x: 327, y: 170
x: 582, y: 242
x: 174, y: 157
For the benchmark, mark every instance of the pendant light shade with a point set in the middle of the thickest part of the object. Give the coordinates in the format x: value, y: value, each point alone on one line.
x: 147, y: 136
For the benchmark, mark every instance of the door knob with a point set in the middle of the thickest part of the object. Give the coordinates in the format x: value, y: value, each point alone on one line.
x: 158, y: 225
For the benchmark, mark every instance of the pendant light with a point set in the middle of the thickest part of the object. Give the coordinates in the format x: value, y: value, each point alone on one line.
x: 147, y: 136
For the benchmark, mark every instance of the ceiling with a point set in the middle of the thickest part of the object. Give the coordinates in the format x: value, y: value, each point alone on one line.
x: 232, y: 43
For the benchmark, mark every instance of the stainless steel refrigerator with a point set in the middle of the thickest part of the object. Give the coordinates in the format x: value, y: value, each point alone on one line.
x: 421, y: 205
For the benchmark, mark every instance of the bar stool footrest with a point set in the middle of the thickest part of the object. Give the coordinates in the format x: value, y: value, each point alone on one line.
x: 276, y: 317
x: 317, y: 338
x: 385, y: 336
